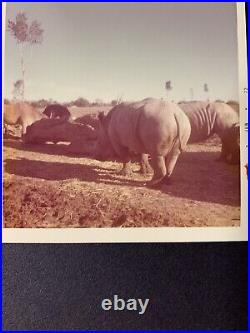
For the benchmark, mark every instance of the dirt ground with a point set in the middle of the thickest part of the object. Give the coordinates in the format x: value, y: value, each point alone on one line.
x: 46, y: 187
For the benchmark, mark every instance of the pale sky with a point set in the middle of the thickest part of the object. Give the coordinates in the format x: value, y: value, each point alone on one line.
x: 105, y: 50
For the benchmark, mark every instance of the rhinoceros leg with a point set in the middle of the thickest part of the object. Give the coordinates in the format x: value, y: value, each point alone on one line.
x: 159, y: 167
x: 223, y: 154
x: 123, y: 153
x: 126, y: 169
x: 145, y: 166
x: 171, y: 160
x: 229, y: 153
x: 234, y: 157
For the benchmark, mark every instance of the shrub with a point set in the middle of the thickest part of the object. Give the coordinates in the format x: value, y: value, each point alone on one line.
x: 81, y: 102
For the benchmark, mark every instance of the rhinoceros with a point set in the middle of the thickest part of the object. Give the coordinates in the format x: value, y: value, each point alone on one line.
x: 21, y: 114
x: 89, y: 119
x: 209, y: 118
x: 55, y: 130
x: 54, y: 111
x: 150, y: 126
x: 81, y: 146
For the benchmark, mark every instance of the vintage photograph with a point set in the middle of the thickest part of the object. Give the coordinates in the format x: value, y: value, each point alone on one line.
x: 121, y: 115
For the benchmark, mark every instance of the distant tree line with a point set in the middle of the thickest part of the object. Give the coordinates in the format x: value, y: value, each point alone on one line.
x: 79, y: 102
x: 83, y: 102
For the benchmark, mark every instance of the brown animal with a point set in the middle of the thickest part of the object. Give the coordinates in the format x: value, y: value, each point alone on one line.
x: 21, y: 114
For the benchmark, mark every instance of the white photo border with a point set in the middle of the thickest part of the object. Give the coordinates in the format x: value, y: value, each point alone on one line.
x: 154, y: 234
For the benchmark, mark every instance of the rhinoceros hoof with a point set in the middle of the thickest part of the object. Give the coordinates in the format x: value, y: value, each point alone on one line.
x: 125, y: 172
x: 158, y: 183
x: 145, y: 171
x: 154, y: 182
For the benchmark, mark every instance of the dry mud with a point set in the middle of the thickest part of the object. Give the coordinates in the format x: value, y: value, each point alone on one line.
x: 44, y: 187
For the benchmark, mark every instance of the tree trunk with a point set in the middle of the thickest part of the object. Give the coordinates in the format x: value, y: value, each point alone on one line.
x: 23, y: 71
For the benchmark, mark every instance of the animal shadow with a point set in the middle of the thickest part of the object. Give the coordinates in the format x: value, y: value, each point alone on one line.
x: 46, y: 148
x: 199, y: 176
x: 63, y: 171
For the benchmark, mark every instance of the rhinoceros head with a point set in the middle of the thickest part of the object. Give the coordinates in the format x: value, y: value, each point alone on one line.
x: 233, y: 144
x: 103, y: 148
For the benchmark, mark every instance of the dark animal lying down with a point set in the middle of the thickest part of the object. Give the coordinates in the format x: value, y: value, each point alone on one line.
x: 59, y: 111
x: 56, y: 130
x: 89, y: 119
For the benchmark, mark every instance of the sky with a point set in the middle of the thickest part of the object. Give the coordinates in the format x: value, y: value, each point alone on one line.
x: 129, y: 50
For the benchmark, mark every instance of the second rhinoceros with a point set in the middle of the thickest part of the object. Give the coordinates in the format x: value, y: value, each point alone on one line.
x: 150, y: 126
x: 209, y: 118
x: 55, y: 130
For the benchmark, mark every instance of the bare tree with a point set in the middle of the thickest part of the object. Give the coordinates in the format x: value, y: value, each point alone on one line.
x: 25, y: 34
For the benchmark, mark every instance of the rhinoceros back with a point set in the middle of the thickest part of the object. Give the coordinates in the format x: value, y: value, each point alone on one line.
x: 148, y: 126
x: 123, y: 125
x: 202, y: 120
